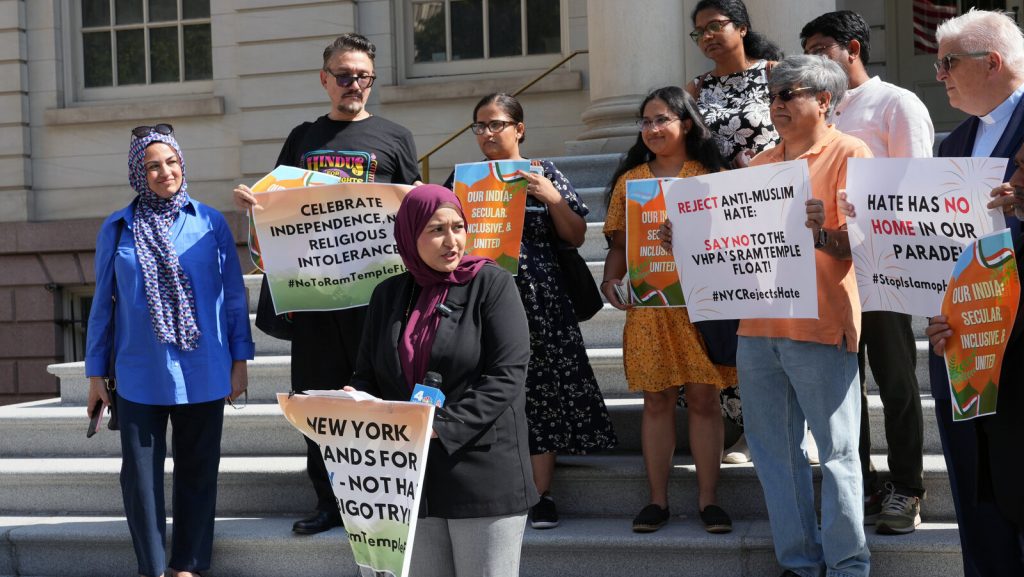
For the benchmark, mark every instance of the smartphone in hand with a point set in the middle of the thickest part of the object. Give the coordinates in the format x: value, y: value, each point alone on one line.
x: 94, y: 422
x: 621, y: 292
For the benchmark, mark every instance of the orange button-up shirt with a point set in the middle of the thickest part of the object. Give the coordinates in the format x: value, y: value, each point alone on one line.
x: 838, y: 301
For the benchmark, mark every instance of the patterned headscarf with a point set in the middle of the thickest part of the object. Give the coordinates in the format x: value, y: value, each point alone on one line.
x: 169, y: 295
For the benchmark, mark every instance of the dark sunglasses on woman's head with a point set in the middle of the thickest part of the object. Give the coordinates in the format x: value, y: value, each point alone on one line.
x: 787, y: 94
x: 143, y: 131
x: 345, y: 80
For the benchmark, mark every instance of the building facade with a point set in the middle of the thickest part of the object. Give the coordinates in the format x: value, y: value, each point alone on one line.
x: 234, y: 76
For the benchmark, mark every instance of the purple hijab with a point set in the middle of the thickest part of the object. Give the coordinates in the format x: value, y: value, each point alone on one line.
x: 421, y: 327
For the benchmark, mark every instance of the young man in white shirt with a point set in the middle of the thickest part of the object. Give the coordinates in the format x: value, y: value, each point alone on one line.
x: 893, y: 122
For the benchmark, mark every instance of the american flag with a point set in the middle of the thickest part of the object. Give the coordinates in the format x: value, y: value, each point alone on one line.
x: 928, y: 14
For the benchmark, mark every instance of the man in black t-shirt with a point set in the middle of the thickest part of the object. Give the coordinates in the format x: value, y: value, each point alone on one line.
x: 350, y: 143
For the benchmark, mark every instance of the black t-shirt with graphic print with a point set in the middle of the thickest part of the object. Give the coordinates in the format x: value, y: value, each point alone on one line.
x: 325, y: 343
x: 370, y: 150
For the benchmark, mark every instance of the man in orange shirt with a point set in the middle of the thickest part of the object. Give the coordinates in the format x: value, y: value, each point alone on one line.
x: 794, y: 371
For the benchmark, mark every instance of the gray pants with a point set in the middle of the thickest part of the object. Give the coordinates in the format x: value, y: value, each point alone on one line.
x: 477, y: 547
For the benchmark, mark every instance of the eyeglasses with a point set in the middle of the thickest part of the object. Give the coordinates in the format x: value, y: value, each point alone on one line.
x: 714, y: 27
x: 946, y: 62
x: 820, y: 50
x: 144, y: 131
x: 245, y: 401
x: 787, y: 94
x: 345, y: 80
x: 659, y: 122
x: 494, y: 126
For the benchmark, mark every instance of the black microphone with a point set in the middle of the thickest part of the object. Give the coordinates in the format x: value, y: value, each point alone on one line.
x: 432, y: 379
x: 445, y: 312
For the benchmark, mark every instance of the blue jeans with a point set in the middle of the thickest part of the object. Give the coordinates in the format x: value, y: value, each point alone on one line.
x: 786, y: 383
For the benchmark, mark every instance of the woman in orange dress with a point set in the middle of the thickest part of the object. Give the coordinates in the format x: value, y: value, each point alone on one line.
x: 673, y: 142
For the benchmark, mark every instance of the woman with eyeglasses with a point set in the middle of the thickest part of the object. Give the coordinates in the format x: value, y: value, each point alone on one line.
x: 661, y: 348
x: 564, y: 406
x: 733, y: 96
x: 168, y: 339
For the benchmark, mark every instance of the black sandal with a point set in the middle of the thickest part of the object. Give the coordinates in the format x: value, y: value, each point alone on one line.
x: 650, y: 519
x: 715, y: 519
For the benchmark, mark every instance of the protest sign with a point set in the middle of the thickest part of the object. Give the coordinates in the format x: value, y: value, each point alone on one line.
x: 282, y: 177
x: 981, y: 305
x: 493, y: 199
x: 740, y: 243
x: 375, y: 452
x: 914, y: 218
x: 327, y: 247
x: 653, y: 280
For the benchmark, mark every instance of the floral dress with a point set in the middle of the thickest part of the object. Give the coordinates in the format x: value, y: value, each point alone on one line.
x: 564, y: 406
x: 735, y: 108
x: 661, y: 348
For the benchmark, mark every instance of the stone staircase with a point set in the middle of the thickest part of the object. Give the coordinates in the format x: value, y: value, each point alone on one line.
x: 61, y: 512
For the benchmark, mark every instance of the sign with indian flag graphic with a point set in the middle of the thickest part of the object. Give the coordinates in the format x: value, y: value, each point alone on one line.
x: 653, y: 280
x: 281, y: 178
x: 493, y: 197
x: 981, y: 305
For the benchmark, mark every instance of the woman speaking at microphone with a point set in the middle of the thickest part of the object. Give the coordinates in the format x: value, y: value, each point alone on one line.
x: 461, y: 317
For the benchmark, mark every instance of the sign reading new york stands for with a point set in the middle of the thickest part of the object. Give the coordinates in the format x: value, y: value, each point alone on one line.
x: 740, y: 243
x: 653, y: 280
x: 375, y: 452
x: 327, y: 247
x: 915, y: 216
x: 493, y: 197
x: 981, y: 305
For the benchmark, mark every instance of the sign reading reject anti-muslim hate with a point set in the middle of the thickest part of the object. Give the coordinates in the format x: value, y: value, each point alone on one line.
x: 375, y: 452
x: 915, y: 216
x: 493, y: 198
x: 741, y: 245
x: 653, y: 280
x: 327, y: 247
x: 282, y: 177
x: 981, y: 305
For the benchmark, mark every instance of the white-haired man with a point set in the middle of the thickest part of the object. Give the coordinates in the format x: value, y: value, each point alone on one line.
x: 981, y: 62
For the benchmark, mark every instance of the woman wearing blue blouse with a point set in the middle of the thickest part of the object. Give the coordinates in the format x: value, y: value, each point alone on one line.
x: 170, y: 322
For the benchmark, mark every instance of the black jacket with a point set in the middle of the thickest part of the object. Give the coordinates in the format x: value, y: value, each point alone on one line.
x: 481, y: 466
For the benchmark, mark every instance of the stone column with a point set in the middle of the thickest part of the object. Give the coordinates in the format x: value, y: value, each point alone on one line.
x: 636, y: 47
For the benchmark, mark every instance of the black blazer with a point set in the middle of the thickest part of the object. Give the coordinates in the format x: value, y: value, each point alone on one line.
x: 960, y: 143
x: 481, y: 466
x: 1001, y: 434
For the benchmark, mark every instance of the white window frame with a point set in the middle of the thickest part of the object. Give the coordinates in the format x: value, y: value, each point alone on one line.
x: 74, y: 71
x: 418, y: 70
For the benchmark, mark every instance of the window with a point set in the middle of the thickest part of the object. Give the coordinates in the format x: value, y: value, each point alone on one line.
x: 467, y: 36
x: 76, y: 302
x: 143, y: 42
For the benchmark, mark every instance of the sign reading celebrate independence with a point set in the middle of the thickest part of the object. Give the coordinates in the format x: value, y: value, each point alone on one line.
x: 653, y: 279
x: 740, y: 243
x: 282, y: 177
x: 981, y: 305
x: 375, y: 453
x: 493, y: 198
x: 327, y: 247
x: 915, y: 217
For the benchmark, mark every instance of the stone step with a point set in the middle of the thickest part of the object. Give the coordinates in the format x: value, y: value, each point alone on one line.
x: 270, y: 374
x: 48, y: 429
x: 605, y: 485
x: 606, y: 547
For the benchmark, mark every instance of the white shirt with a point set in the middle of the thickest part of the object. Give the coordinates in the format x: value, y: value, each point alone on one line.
x: 892, y: 121
x: 993, y: 124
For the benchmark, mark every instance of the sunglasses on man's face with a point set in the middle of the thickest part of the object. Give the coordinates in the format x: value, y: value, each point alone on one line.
x: 364, y: 81
x: 143, y: 131
x: 787, y: 94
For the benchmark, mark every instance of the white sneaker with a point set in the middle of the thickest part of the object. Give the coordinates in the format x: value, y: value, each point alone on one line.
x: 811, y: 448
x: 737, y: 454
